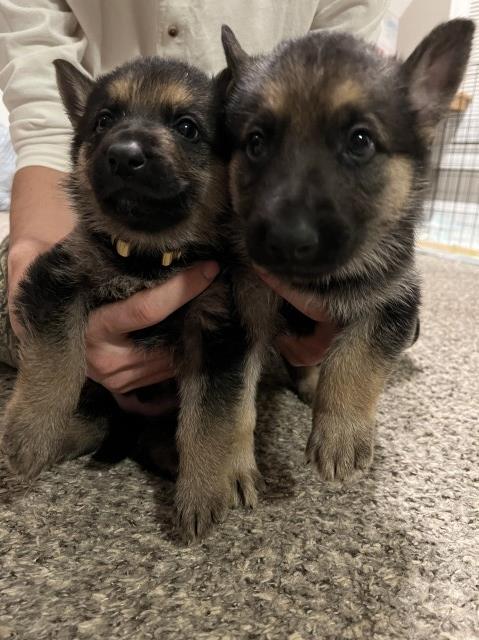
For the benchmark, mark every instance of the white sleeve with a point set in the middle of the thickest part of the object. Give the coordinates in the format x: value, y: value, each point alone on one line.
x: 362, y: 18
x: 32, y: 35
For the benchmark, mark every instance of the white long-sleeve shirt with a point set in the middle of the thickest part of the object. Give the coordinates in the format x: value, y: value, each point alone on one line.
x: 98, y: 35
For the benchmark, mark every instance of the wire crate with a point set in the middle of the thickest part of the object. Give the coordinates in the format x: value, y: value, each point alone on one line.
x: 451, y: 211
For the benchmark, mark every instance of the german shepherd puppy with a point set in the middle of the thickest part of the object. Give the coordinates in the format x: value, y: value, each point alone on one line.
x: 331, y: 146
x: 149, y: 187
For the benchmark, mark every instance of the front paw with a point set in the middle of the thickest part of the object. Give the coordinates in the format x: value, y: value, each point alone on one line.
x: 200, y: 505
x: 245, y: 480
x: 341, y: 448
x: 27, y: 445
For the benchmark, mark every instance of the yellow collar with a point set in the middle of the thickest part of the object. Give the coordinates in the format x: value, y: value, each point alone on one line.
x: 123, y: 249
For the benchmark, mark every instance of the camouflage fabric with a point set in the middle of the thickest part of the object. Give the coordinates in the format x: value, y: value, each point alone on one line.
x: 8, y: 341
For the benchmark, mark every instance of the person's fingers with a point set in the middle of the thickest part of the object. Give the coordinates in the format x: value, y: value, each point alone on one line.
x: 140, y: 380
x: 150, y: 306
x: 130, y: 378
x: 307, y: 303
x: 104, y: 358
x: 307, y: 351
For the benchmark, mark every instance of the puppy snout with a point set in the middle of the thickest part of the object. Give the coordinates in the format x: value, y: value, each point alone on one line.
x: 126, y: 158
x: 298, y: 243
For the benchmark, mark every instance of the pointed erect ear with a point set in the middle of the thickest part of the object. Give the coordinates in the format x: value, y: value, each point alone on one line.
x: 74, y: 88
x: 435, y: 69
x: 236, y: 57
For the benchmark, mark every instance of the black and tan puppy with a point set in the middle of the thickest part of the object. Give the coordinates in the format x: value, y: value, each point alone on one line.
x: 331, y: 147
x: 150, y: 192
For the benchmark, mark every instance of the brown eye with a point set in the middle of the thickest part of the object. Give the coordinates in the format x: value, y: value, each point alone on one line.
x: 103, y: 121
x: 255, y: 146
x: 360, y: 144
x: 188, y: 129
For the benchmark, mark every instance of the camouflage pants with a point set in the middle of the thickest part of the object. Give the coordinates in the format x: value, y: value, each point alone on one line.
x: 8, y: 341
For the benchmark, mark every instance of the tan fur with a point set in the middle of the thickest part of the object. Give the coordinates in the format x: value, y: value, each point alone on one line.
x: 244, y: 470
x: 350, y: 382
x: 354, y: 381
x: 274, y: 98
x: 175, y: 95
x: 259, y: 304
x: 129, y: 89
x: 204, y: 442
x: 40, y: 426
x: 347, y: 92
x: 217, y: 467
x: 305, y: 380
x: 122, y: 88
x: 398, y: 189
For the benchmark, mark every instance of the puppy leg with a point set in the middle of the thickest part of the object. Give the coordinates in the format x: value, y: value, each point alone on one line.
x: 350, y: 382
x: 244, y: 476
x: 217, y: 468
x: 305, y: 382
x: 41, y: 425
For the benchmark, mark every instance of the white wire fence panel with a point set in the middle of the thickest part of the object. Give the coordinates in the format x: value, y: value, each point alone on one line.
x: 451, y: 213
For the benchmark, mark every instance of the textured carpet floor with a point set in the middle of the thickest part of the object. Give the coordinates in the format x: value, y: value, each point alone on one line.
x: 88, y: 552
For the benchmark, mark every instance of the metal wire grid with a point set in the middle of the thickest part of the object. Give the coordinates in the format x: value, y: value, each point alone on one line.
x: 451, y: 213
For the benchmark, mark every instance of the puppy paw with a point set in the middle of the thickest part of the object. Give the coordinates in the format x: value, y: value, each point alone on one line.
x: 244, y: 486
x: 200, y: 506
x: 341, y: 449
x: 27, y: 446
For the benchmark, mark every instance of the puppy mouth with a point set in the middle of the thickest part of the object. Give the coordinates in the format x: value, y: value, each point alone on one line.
x: 163, y: 190
x: 141, y: 209
x: 297, y: 274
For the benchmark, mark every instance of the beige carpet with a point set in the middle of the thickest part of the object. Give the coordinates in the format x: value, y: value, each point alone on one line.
x: 88, y: 551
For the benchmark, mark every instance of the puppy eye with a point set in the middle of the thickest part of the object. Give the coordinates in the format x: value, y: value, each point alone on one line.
x: 103, y: 121
x: 255, y: 145
x: 360, y: 144
x: 188, y: 129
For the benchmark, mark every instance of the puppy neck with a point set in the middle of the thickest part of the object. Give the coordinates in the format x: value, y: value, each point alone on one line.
x: 123, y: 249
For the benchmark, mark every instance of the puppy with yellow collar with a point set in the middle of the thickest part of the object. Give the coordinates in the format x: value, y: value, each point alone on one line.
x: 149, y: 188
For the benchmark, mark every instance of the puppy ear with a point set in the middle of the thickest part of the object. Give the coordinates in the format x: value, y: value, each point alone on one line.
x: 222, y: 84
x: 435, y: 69
x: 74, y: 88
x: 236, y: 57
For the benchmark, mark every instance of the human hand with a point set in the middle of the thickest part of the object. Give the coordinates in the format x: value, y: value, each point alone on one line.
x: 303, y: 351
x: 113, y: 360
x: 20, y: 256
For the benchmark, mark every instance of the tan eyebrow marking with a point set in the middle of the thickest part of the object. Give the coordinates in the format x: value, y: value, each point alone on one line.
x: 129, y: 89
x: 348, y: 92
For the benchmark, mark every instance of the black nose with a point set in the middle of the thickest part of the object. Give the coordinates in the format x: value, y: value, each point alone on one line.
x: 297, y: 243
x: 301, y: 242
x: 126, y: 158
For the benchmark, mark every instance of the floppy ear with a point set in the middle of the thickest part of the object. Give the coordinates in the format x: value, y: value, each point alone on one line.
x: 74, y: 88
x: 435, y: 69
x: 236, y: 57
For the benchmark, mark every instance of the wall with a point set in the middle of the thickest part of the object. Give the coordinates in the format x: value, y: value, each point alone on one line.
x: 419, y: 18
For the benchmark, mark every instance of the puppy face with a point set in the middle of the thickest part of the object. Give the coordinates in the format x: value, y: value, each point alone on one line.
x: 144, y: 151
x: 331, y: 141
